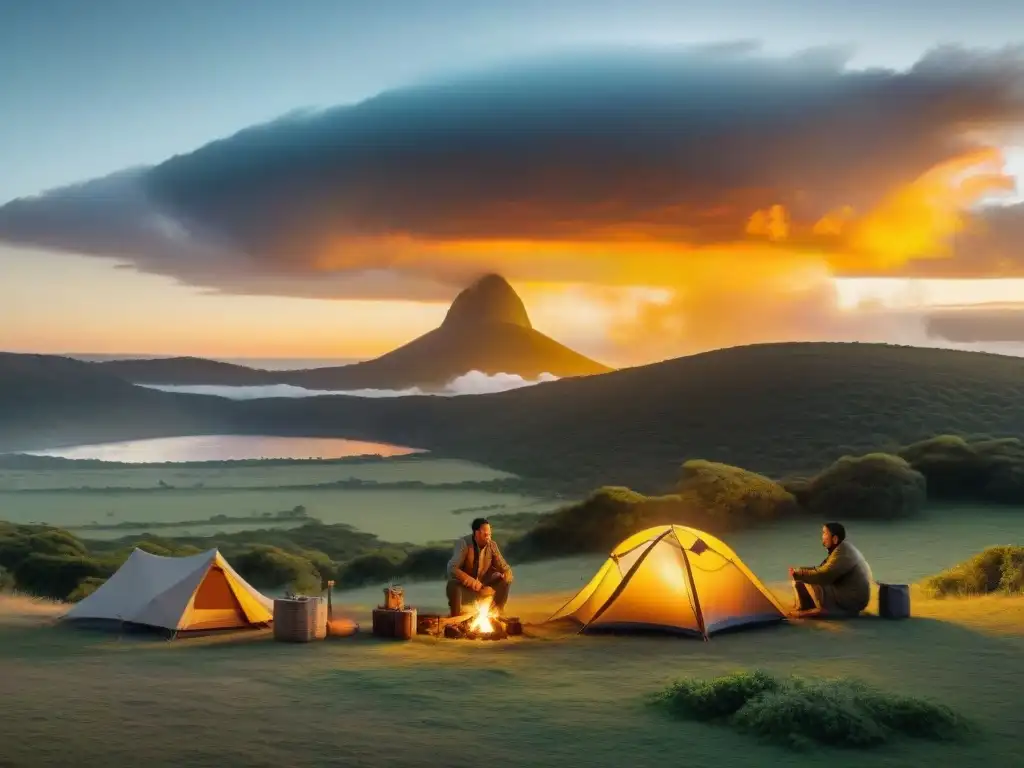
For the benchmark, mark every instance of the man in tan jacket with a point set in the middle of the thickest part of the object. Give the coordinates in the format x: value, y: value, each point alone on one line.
x: 477, y: 569
x: 840, y: 586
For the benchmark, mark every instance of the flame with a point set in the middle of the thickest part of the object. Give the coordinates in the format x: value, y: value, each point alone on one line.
x: 482, y: 621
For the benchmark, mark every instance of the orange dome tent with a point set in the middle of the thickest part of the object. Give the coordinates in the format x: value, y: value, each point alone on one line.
x: 675, y: 579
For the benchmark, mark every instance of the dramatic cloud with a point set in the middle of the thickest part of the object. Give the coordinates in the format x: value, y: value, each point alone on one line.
x: 609, y: 168
x: 740, y: 183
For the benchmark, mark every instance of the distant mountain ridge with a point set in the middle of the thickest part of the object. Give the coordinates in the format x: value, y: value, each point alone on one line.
x: 487, y: 329
x: 773, y: 408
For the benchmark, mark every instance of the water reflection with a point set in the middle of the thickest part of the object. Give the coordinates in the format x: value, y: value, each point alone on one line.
x: 225, y: 448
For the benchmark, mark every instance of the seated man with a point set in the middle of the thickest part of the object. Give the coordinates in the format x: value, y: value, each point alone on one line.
x: 477, y: 570
x: 840, y: 586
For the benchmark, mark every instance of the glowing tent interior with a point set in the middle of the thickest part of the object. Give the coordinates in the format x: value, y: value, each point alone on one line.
x: 675, y: 579
x: 180, y: 594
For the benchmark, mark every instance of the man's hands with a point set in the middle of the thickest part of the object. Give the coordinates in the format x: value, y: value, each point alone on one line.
x: 478, y: 586
x: 791, y: 576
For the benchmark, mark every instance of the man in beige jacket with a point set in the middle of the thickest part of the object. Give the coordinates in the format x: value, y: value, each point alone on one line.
x: 839, y: 587
x: 477, y: 569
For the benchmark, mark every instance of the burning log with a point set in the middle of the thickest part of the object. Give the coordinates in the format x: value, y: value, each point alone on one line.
x: 484, y: 623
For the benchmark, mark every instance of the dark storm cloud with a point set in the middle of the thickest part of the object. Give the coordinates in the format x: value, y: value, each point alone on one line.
x: 676, y: 146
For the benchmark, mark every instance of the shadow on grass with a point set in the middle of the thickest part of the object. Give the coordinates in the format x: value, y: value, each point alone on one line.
x: 800, y: 645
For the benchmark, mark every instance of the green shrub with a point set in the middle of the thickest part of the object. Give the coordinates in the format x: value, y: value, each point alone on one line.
x: 367, y: 569
x: 960, y: 469
x: 711, y: 496
x: 995, y: 570
x: 6, y: 580
x: 85, y: 588
x: 799, y: 487
x: 426, y: 562
x: 270, y: 568
x: 715, y: 699
x: 800, y: 713
x: 164, y: 547
x: 56, y: 542
x: 17, y: 542
x: 56, y: 576
x: 733, y: 495
x: 877, y: 485
x: 1005, y: 485
x: 14, y: 547
x: 596, y: 524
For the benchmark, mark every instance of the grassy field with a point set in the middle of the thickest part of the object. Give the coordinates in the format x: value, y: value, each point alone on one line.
x: 262, y: 475
x: 410, y: 516
x: 547, y: 699
x: 105, y: 501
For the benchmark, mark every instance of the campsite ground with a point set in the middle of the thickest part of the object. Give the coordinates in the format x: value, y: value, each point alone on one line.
x: 545, y: 700
x: 549, y: 699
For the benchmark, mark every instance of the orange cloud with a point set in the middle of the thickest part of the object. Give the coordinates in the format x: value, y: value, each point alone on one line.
x: 738, y: 183
x: 679, y: 154
x: 772, y: 223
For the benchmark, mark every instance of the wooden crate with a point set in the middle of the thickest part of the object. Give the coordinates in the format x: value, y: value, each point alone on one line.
x: 396, y: 625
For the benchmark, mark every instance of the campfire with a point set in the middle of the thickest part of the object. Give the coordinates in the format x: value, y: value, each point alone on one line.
x: 483, y: 623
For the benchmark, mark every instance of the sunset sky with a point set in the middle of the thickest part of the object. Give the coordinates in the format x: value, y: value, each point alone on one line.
x: 654, y: 178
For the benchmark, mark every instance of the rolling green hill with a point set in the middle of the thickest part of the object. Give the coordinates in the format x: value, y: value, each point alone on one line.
x: 48, y: 401
x: 775, y: 408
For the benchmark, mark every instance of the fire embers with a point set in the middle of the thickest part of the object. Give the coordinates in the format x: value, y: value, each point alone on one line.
x: 485, y: 624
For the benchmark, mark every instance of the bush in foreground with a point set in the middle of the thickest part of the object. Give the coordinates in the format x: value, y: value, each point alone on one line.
x: 996, y: 570
x: 800, y: 713
x: 878, y: 486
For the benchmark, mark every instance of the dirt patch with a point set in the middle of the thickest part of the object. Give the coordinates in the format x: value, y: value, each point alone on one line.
x: 19, y: 610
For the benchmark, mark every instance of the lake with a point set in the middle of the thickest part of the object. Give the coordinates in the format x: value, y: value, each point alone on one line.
x: 225, y: 448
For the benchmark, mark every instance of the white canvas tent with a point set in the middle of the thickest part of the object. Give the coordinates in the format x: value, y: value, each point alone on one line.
x: 676, y: 579
x: 198, y: 592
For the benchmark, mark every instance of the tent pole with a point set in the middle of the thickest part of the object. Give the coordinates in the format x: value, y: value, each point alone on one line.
x: 626, y: 578
x: 693, y: 591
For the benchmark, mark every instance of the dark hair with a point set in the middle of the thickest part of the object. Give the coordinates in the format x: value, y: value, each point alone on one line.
x: 837, y: 530
x: 479, y: 523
